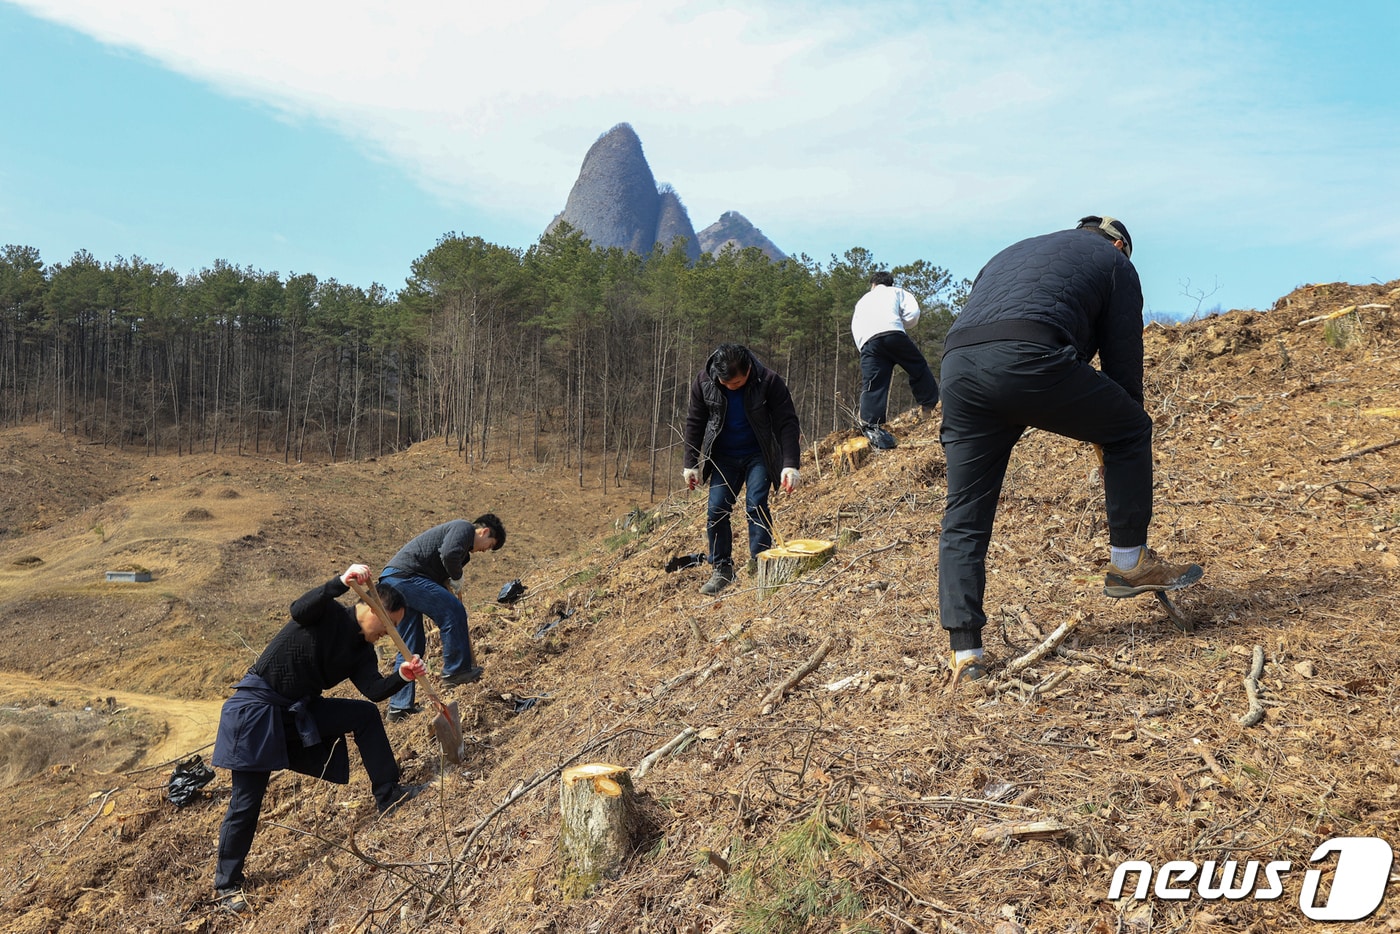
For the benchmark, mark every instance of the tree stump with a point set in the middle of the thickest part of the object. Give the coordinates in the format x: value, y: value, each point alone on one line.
x: 789, y: 561
x: 851, y: 453
x: 597, y: 817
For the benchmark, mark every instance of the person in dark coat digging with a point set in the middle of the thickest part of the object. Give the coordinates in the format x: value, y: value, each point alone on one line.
x: 278, y: 719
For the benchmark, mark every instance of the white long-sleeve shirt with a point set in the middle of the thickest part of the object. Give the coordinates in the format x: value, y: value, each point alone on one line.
x: 883, y: 308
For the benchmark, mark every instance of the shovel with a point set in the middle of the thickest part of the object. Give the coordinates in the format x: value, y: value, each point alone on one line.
x: 447, y: 725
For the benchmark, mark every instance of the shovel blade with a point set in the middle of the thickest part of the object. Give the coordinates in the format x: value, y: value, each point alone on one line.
x: 447, y: 727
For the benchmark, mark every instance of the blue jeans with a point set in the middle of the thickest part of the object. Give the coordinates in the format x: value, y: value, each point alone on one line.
x: 423, y: 597
x: 878, y: 358
x: 729, y: 475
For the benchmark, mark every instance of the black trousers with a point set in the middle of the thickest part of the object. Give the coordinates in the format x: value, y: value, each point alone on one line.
x: 878, y: 358
x: 335, y: 716
x: 991, y: 393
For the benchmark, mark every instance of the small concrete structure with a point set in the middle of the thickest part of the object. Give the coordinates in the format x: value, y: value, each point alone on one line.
x: 131, y: 577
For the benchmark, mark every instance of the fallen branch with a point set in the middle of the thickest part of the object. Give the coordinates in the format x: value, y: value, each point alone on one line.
x: 1253, y: 690
x: 775, y: 696
x: 1040, y: 829
x: 650, y: 759
x: 1045, y: 647
x: 1111, y: 664
x: 1362, y: 453
x: 100, y: 807
x: 1211, y: 762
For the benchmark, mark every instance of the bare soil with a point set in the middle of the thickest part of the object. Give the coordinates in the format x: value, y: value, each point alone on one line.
x: 872, y: 795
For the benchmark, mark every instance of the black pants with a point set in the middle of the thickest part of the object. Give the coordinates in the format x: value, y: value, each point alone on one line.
x: 335, y: 716
x: 991, y: 393
x: 878, y: 358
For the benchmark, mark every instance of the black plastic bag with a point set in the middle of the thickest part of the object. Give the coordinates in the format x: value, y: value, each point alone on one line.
x: 681, y: 562
x: 511, y: 592
x: 189, y: 776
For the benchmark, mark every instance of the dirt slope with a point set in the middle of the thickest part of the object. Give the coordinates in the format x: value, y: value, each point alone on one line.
x: 871, y: 797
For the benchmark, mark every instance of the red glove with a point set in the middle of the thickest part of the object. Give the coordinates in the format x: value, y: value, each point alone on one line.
x: 413, y: 669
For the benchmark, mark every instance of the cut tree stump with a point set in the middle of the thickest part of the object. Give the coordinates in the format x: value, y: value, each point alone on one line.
x: 789, y: 561
x: 597, y: 817
x: 851, y: 453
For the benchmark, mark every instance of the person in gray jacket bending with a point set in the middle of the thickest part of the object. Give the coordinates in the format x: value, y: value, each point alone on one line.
x: 428, y: 572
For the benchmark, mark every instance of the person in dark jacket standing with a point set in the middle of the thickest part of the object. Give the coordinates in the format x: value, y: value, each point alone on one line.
x: 277, y: 717
x: 428, y: 572
x: 878, y: 327
x: 741, y: 431
x: 1018, y: 356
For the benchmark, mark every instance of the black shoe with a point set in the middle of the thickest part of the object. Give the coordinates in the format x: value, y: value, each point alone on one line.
x: 880, y: 439
x: 400, y: 714
x: 469, y: 675
x: 399, y: 795
x: 230, y: 898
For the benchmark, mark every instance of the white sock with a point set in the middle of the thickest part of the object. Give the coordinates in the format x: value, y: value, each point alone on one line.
x: 962, y: 655
x: 1125, y: 559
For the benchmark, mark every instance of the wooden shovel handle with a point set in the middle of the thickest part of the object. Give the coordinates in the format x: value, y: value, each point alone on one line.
x: 371, y: 597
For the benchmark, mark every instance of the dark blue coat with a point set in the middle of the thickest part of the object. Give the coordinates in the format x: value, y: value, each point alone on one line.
x: 1068, y: 288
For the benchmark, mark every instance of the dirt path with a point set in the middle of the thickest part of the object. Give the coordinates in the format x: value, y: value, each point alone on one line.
x: 188, y: 724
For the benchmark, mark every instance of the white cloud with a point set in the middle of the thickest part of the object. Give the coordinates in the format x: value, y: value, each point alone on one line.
x: 802, y: 117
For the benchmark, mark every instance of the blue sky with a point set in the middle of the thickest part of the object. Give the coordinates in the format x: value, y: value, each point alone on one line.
x: 1249, y: 147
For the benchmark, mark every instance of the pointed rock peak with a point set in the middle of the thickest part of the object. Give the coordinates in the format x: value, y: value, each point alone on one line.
x: 733, y: 231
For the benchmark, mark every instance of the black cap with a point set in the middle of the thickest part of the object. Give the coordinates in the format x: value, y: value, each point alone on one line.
x: 1112, y: 226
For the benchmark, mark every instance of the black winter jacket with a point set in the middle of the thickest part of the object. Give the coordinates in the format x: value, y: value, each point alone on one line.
x: 771, y: 413
x: 1071, y: 287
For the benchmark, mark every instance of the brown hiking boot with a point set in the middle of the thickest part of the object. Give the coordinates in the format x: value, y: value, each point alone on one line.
x: 1151, y: 573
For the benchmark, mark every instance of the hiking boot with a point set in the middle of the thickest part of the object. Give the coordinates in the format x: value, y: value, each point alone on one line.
x: 879, y: 438
x: 230, y: 898
x: 400, y: 714
x: 751, y: 568
x: 467, y: 675
x: 401, y: 793
x: 1151, y: 573
x: 721, y: 578
x: 975, y: 670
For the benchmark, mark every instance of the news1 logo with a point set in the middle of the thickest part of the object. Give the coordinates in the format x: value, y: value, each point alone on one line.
x: 1358, y: 881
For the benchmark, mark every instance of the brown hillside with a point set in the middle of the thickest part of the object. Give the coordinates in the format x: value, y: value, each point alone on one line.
x: 870, y: 797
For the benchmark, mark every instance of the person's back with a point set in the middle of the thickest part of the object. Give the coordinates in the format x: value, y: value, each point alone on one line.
x: 1070, y: 286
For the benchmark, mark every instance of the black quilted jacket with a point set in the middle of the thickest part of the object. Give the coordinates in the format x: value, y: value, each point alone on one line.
x: 1071, y: 287
x: 321, y: 647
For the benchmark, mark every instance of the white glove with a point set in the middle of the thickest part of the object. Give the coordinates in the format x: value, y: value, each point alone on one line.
x: 691, y: 475
x: 791, y: 478
x: 357, y: 574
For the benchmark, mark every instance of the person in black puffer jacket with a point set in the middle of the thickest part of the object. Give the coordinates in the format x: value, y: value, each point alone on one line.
x: 1019, y: 355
